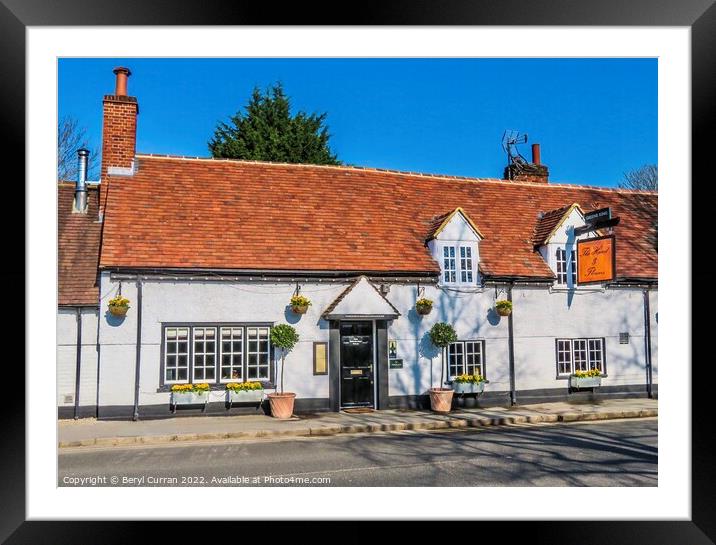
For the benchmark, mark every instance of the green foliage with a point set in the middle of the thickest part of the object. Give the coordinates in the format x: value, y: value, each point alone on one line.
x: 503, y: 304
x: 590, y: 373
x: 476, y: 379
x: 244, y: 386
x: 300, y: 301
x: 442, y: 334
x: 268, y: 132
x: 424, y: 303
x: 284, y: 336
x: 119, y: 301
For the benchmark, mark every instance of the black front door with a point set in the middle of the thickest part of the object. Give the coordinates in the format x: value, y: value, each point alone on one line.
x: 356, y: 364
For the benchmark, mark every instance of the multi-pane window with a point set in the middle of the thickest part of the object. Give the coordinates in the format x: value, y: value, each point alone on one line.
x: 566, y: 269
x: 204, y: 354
x: 466, y: 358
x: 176, y: 354
x: 465, y: 264
x: 580, y: 355
x: 449, y: 273
x: 458, y: 264
x: 257, y: 353
x: 232, y: 353
x: 216, y: 353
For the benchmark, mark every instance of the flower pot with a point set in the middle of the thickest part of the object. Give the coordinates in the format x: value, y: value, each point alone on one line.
x: 189, y: 398
x: 116, y: 310
x: 302, y: 309
x: 245, y: 396
x: 503, y: 311
x: 585, y: 382
x: 423, y: 311
x: 477, y: 387
x: 462, y: 387
x: 282, y: 405
x: 441, y: 399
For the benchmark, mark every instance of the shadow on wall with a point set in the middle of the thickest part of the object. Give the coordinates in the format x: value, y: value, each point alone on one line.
x: 112, y: 320
x: 290, y: 316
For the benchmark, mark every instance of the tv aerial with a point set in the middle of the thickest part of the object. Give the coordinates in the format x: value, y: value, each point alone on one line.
x: 510, y: 139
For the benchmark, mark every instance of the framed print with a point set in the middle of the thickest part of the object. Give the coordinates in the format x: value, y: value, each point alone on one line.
x: 187, y: 305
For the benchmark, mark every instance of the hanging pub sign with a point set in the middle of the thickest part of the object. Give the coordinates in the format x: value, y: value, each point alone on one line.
x: 596, y: 260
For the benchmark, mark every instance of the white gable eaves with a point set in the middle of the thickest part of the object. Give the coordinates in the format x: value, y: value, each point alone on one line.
x: 361, y: 300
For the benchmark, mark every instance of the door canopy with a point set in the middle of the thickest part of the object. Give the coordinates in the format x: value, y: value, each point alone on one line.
x: 361, y: 300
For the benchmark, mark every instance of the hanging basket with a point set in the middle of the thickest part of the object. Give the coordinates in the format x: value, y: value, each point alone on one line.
x: 118, y: 310
x: 300, y: 309
x: 502, y: 311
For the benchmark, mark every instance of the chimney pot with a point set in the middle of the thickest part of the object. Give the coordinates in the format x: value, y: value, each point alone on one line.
x: 122, y: 74
x: 536, y: 158
x: 81, y: 183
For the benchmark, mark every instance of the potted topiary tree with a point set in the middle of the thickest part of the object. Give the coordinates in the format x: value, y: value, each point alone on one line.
x: 284, y: 337
x: 503, y: 307
x: 441, y: 335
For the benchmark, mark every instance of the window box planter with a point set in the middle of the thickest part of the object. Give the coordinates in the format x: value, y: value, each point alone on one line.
x: 189, y: 398
x: 245, y: 396
x: 585, y: 382
x: 190, y: 394
x: 468, y: 387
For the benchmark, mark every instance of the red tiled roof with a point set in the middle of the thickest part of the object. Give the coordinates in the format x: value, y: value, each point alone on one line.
x: 547, y: 222
x: 77, y: 248
x: 223, y: 214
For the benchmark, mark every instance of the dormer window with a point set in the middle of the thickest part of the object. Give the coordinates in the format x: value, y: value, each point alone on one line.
x: 453, y: 241
x: 566, y: 268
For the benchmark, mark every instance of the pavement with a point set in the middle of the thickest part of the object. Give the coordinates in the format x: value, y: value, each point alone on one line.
x: 89, y: 432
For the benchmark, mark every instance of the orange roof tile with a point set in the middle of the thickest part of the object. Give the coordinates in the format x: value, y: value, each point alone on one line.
x: 226, y: 214
x: 77, y: 248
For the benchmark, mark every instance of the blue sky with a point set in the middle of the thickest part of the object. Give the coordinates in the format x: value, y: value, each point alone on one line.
x: 594, y: 118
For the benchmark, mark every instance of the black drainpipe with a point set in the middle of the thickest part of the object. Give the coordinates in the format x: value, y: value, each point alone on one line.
x: 78, y: 367
x: 647, y: 342
x: 135, y: 416
x: 511, y: 346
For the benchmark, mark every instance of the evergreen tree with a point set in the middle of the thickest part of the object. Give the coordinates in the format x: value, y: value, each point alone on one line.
x: 268, y: 132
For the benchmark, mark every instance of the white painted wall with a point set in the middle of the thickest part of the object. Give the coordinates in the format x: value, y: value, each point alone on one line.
x: 539, y: 317
x: 67, y: 357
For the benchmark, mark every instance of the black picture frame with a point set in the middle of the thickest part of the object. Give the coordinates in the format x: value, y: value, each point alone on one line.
x: 699, y: 15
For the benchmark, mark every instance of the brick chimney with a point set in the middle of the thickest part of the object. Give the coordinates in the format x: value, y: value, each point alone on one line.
x: 119, y: 132
x: 534, y: 172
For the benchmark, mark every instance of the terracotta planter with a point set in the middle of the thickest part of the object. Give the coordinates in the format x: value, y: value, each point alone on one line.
x: 423, y: 311
x: 441, y: 399
x: 300, y: 309
x: 282, y: 405
x: 503, y: 311
x: 115, y: 310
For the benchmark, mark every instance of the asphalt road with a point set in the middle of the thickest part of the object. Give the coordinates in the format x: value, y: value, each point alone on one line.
x: 614, y: 453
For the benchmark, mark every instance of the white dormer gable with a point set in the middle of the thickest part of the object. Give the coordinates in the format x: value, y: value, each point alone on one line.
x: 454, y: 244
x: 558, y: 246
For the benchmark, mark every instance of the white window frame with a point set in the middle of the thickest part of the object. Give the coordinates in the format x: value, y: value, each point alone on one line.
x: 265, y: 328
x: 204, y: 354
x: 581, y: 354
x: 186, y: 354
x: 459, y: 264
x: 258, y: 353
x: 232, y: 353
x: 560, y: 259
x: 467, y: 350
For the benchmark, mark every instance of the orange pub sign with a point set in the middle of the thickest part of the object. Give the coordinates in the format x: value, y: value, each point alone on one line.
x: 596, y: 260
